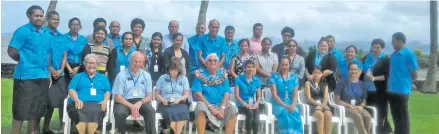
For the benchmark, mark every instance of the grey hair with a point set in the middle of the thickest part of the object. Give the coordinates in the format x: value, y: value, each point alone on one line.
x: 88, y: 56
x: 210, y: 55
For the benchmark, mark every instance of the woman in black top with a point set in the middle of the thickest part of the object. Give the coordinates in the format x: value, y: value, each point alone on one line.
x: 326, y: 61
x: 376, y: 81
x: 177, y: 51
x: 155, y: 60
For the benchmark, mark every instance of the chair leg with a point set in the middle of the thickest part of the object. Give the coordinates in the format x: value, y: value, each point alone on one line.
x: 272, y: 127
x: 339, y: 127
x: 156, y: 125
x: 190, y: 127
x: 266, y: 127
x: 104, y: 127
x: 113, y: 127
x: 236, y: 126
x: 309, y: 127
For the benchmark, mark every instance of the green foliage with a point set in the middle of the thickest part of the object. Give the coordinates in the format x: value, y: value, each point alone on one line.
x: 361, y: 53
x: 422, y: 59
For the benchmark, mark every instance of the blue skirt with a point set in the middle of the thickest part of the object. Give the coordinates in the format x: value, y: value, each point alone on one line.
x: 288, y: 123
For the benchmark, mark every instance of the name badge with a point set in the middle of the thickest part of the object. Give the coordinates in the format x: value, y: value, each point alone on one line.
x: 135, y: 93
x: 250, y: 101
x: 286, y: 95
x: 172, y: 99
x: 353, y: 102
x: 156, y: 68
x: 93, y: 91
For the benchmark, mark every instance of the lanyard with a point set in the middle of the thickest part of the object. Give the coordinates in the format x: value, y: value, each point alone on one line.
x: 285, y: 82
x: 249, y: 86
x: 134, y: 81
x: 376, y: 60
x: 318, y: 59
x: 91, y: 80
x: 172, y: 86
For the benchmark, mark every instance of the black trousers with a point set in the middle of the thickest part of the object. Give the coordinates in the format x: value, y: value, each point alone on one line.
x: 251, y: 119
x: 379, y: 100
x: 400, y: 113
x: 121, y: 112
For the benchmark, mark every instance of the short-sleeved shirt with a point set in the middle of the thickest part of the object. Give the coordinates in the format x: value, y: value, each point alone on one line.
x: 193, y: 52
x: 208, y: 46
x: 122, y: 59
x: 117, y: 40
x: 232, y: 49
x: 82, y: 84
x: 247, y: 90
x: 297, y: 66
x: 402, y: 63
x: 172, y: 88
x: 284, y: 87
x: 57, y: 50
x: 103, y: 54
x: 74, y: 48
x: 213, y: 93
x: 266, y: 63
x: 255, y: 46
x: 33, y: 46
x: 143, y: 44
x: 131, y: 86
x: 369, y: 63
x: 343, y: 67
x: 168, y: 42
x: 348, y: 90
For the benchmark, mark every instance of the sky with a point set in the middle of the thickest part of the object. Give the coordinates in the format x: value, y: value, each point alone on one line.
x: 346, y: 20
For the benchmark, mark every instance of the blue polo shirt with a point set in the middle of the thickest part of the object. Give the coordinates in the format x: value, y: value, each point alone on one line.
x: 338, y: 55
x: 231, y: 50
x: 213, y: 93
x: 132, y: 86
x: 57, y: 50
x: 343, y: 67
x: 74, y: 48
x: 33, y: 47
x: 82, y: 84
x: 122, y: 59
x: 175, y: 88
x: 402, y: 63
x: 193, y: 50
x: 208, y: 46
x: 247, y: 90
x: 117, y: 40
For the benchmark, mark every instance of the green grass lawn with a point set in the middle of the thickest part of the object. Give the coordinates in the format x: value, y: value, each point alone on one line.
x: 423, y: 108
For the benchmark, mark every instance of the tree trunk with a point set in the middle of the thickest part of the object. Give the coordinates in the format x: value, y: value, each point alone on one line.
x: 430, y: 81
x: 203, y: 11
x: 52, y: 7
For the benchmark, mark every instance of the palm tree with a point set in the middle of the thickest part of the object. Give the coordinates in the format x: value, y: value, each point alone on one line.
x: 203, y: 11
x: 430, y: 84
x: 52, y: 7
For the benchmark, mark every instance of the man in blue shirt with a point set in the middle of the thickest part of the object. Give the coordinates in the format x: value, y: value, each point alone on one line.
x: 114, y: 34
x: 193, y: 47
x: 403, y: 67
x: 29, y: 46
x: 212, y: 43
x: 133, y: 93
x: 232, y: 46
x: 173, y: 27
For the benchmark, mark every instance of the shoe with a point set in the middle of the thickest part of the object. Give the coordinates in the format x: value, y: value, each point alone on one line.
x: 48, y: 132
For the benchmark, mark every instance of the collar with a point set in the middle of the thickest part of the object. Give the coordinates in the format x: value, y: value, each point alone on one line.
x: 401, y: 51
x: 134, y: 74
x: 207, y: 37
x: 263, y: 54
x: 244, y: 79
x: 253, y: 39
x: 56, y: 32
x: 33, y: 28
x: 111, y: 36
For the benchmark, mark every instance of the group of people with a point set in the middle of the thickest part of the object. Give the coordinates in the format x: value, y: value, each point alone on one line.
x: 90, y: 70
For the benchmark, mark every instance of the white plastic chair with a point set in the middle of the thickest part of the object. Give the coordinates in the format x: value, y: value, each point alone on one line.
x: 68, y: 122
x: 347, y: 120
x: 310, y: 118
x: 262, y: 117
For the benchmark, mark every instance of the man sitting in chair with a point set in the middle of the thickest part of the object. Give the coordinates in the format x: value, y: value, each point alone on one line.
x: 133, y: 91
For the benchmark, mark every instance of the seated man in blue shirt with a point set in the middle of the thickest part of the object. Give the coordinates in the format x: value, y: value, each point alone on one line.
x: 403, y: 67
x: 212, y: 43
x: 133, y: 91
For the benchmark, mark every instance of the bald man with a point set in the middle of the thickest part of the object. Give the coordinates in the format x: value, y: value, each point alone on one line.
x: 114, y: 34
x: 133, y: 91
x: 173, y: 27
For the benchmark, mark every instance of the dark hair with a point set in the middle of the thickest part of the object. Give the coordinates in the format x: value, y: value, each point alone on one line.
x: 287, y: 30
x: 351, y: 64
x: 399, y: 36
x: 378, y: 41
x: 73, y: 19
x: 249, y: 62
x: 126, y: 33
x: 295, y: 42
x: 265, y: 39
x: 136, y: 21
x: 98, y: 29
x: 31, y: 9
x: 243, y: 40
x: 200, y: 23
x: 257, y: 25
x: 174, y: 36
x: 329, y: 37
x: 51, y: 14
x: 175, y: 64
x: 229, y: 28
x: 323, y: 39
x: 351, y: 46
x: 154, y: 35
x: 97, y: 20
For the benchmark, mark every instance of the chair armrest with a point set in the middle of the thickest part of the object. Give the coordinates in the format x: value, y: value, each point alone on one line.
x: 374, y: 114
x: 107, y: 112
x: 304, y: 110
x: 269, y: 109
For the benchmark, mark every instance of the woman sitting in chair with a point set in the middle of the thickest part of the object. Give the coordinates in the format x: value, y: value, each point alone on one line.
x: 351, y: 93
x: 284, y: 88
x: 316, y: 92
x: 89, y: 92
x: 172, y: 90
x: 246, y: 86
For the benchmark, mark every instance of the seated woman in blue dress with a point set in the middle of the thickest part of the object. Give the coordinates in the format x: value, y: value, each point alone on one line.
x: 246, y: 87
x: 351, y: 94
x: 89, y: 92
x: 350, y: 56
x: 284, y: 88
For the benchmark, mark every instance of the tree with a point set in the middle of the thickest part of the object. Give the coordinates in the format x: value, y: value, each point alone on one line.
x: 361, y: 53
x: 203, y: 11
x: 430, y: 83
x: 52, y: 7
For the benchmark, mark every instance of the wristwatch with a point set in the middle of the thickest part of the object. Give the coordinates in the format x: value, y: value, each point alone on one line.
x: 223, y: 107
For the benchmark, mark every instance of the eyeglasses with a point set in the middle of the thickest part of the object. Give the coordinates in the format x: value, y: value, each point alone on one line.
x: 212, y: 60
x: 92, y: 63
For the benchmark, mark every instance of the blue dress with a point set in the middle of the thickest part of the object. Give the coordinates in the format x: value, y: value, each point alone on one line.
x: 288, y: 123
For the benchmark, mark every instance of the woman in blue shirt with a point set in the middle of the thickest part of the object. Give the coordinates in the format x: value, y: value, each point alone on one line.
x: 351, y: 94
x: 247, y: 86
x: 120, y: 56
x: 284, y: 88
x: 75, y: 44
x: 89, y: 92
x: 350, y: 56
x: 172, y: 90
